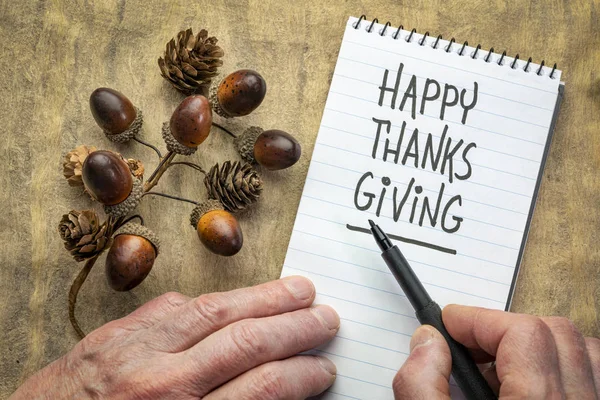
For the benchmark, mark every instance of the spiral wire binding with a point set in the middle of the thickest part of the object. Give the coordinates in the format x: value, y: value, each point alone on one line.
x: 448, y: 48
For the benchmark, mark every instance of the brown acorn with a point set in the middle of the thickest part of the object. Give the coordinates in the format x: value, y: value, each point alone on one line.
x: 107, y: 177
x: 240, y: 93
x: 273, y: 149
x: 113, y: 112
x: 191, y: 121
x: 218, y: 230
x: 130, y: 257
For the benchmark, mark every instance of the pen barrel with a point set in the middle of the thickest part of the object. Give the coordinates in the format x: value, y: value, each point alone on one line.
x: 406, y: 278
x: 464, y: 370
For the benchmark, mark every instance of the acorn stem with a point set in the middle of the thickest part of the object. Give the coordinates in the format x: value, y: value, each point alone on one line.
x: 159, y: 171
x: 132, y: 218
x: 225, y: 129
x: 170, y: 196
x: 75, y: 286
x: 189, y: 164
x: 140, y: 141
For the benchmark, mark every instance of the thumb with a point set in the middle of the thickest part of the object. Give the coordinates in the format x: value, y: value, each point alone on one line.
x: 425, y: 373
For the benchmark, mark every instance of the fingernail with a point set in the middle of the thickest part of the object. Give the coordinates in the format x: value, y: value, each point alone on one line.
x: 328, y: 315
x: 327, y: 365
x: 301, y: 288
x: 422, y: 337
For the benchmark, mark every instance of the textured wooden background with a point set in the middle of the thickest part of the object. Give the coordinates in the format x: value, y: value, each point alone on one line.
x: 54, y: 53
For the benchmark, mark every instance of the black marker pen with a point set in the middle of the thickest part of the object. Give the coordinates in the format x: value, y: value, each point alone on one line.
x: 464, y: 370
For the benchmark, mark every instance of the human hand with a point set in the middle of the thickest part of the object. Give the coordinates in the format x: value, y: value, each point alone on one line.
x: 237, y: 345
x: 535, y: 358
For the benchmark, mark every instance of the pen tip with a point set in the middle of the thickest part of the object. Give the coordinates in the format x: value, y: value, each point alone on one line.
x: 372, y: 223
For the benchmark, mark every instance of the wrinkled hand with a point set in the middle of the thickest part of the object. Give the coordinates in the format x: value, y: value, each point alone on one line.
x: 236, y: 345
x: 536, y: 358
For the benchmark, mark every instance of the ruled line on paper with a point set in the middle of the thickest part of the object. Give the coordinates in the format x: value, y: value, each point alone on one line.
x: 347, y: 281
x: 448, y: 120
x: 372, y: 345
x: 420, y: 77
x: 406, y: 240
x: 401, y: 183
x: 388, y: 291
x: 451, y: 67
x: 373, y: 250
x: 406, y: 222
x: 410, y: 204
x: 432, y: 134
x: 376, y: 327
x: 366, y: 305
x: 344, y: 395
x: 458, y: 123
x: 355, y: 359
x: 428, y: 172
x: 394, y: 145
x: 387, y: 272
x: 362, y: 380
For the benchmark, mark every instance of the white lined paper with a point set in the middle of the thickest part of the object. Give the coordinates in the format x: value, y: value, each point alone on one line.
x: 509, y: 125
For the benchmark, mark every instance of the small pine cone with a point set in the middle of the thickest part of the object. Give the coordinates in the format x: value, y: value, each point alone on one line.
x: 245, y: 143
x: 235, y: 185
x: 203, y: 208
x: 191, y: 62
x: 129, y: 204
x: 172, y: 143
x: 214, y: 102
x: 73, y: 164
x: 130, y: 132
x: 82, y: 234
x: 136, y: 167
x: 133, y: 228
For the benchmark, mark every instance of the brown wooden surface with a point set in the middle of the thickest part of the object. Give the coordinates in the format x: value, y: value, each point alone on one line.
x: 54, y: 53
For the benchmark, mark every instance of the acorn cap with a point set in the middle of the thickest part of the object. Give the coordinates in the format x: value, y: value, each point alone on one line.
x: 245, y: 143
x: 129, y: 204
x: 203, y: 208
x: 130, y: 132
x: 133, y: 228
x: 214, y: 102
x: 136, y: 167
x: 172, y: 143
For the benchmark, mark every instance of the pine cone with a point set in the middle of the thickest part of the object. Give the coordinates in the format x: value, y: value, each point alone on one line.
x: 83, y: 235
x: 73, y: 163
x: 191, y: 62
x: 235, y: 185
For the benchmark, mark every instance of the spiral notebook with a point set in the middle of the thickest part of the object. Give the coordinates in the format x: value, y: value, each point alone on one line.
x: 443, y: 145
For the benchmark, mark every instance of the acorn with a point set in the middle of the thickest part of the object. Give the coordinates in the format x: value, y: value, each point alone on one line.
x: 273, y: 149
x: 218, y: 230
x: 107, y: 177
x: 189, y: 125
x: 240, y: 93
x: 131, y: 256
x: 115, y: 114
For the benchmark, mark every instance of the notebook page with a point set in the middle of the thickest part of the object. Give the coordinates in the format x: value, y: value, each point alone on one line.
x: 447, y: 158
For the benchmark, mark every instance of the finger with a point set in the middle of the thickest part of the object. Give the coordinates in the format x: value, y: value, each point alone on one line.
x: 426, y: 371
x: 525, y: 351
x: 491, y: 376
x: 209, y: 313
x: 593, y: 349
x: 575, y: 367
x: 295, y: 378
x: 157, y: 309
x: 244, y: 345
